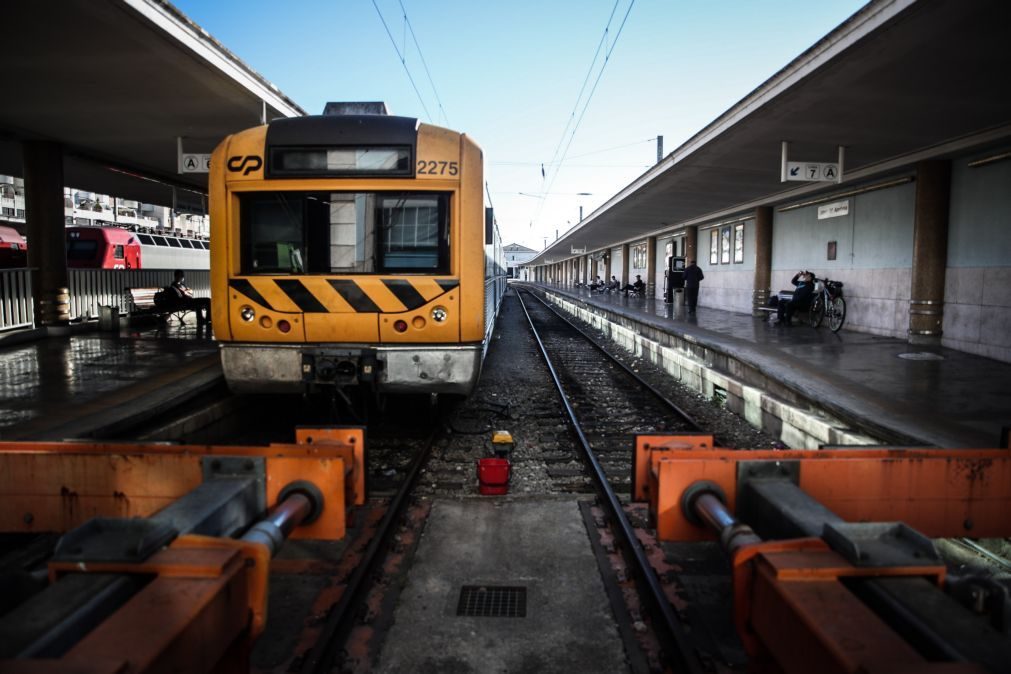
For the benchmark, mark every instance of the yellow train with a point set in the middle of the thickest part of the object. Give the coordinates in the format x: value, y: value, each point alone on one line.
x: 352, y: 250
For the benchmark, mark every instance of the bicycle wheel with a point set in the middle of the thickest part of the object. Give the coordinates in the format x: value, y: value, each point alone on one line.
x: 837, y: 314
x: 817, y: 311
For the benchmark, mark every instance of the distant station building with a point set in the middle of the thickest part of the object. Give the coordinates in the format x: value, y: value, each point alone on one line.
x: 517, y: 255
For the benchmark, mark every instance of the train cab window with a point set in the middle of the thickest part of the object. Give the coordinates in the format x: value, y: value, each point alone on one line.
x: 82, y: 249
x: 117, y: 252
x: 344, y: 232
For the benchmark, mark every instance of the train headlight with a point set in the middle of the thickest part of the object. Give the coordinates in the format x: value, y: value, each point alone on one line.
x: 439, y: 314
x: 247, y: 313
x: 400, y: 326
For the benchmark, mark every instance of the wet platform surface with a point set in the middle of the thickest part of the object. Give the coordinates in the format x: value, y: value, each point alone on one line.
x: 63, y: 387
x: 940, y: 396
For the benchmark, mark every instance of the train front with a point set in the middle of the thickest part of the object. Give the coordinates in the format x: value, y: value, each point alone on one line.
x: 348, y: 251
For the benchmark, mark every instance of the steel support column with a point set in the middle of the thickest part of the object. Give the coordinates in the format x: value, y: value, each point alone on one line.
x: 43, y: 167
x: 930, y: 251
x: 763, y: 258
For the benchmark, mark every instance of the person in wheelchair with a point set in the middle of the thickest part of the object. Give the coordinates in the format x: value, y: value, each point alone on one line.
x: 802, y: 296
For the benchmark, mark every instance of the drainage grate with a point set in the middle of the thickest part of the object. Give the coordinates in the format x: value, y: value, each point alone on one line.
x: 486, y: 601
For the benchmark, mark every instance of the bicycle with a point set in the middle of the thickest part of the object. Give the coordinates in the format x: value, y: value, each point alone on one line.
x: 828, y: 301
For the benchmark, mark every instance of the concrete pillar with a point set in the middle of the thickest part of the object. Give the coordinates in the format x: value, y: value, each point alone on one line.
x: 763, y: 258
x: 43, y: 166
x: 930, y: 251
x: 651, y: 267
x: 624, y: 265
x: 691, y: 241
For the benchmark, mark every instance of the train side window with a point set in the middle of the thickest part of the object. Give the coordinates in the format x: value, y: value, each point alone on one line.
x: 117, y: 252
x: 160, y: 241
x: 174, y: 243
x: 186, y: 243
x: 146, y: 239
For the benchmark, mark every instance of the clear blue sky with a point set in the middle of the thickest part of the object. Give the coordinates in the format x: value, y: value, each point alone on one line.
x: 509, y: 74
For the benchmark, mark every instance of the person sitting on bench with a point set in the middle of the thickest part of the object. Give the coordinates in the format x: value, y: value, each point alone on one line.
x: 177, y: 297
x: 638, y: 288
x: 802, y: 296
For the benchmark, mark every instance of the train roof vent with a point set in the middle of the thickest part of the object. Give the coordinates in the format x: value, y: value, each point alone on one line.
x: 334, y: 108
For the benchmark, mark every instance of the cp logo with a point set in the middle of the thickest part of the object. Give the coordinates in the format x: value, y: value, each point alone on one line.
x: 244, y: 165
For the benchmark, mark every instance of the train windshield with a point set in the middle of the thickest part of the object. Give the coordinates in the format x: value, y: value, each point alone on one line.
x: 82, y: 249
x: 344, y: 232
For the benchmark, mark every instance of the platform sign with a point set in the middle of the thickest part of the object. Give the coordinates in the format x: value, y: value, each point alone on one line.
x: 195, y: 163
x: 836, y: 209
x: 578, y: 251
x: 812, y: 171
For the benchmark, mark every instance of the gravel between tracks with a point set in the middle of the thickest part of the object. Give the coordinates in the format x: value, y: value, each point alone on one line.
x: 515, y: 394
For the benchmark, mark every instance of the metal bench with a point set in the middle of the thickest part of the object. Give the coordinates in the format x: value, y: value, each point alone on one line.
x: 140, y: 302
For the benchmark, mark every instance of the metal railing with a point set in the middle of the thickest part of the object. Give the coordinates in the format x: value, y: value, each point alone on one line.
x: 89, y: 289
x: 16, y: 306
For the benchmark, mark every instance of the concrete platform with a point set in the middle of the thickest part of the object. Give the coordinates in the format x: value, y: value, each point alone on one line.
x: 58, y: 387
x: 884, y: 390
x: 540, y: 545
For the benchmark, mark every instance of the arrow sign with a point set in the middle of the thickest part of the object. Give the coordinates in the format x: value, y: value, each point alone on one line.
x: 810, y: 171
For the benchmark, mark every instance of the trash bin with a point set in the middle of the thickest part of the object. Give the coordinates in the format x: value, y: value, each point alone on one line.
x: 108, y: 318
x: 679, y: 297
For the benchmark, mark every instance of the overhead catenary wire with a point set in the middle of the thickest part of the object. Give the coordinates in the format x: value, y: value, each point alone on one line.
x: 589, y: 97
x: 577, y: 156
x: 438, y: 100
x: 403, y: 61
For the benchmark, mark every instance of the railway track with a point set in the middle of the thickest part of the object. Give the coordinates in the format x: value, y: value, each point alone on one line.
x: 633, y: 403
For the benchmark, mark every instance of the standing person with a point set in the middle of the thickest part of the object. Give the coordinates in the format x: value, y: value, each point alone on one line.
x: 692, y: 277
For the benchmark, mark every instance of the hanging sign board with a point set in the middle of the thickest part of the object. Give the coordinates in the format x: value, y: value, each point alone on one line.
x: 812, y: 171
x: 834, y: 210
x: 578, y: 251
x: 195, y: 163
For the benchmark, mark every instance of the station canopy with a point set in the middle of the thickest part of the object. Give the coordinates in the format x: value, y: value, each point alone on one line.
x: 897, y: 82
x: 116, y: 83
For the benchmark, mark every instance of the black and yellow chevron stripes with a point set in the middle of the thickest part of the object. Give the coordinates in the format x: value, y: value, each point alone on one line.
x: 308, y: 294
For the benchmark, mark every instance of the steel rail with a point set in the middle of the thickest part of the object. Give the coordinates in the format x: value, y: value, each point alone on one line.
x: 671, y: 631
x: 642, y: 382
x: 340, y: 620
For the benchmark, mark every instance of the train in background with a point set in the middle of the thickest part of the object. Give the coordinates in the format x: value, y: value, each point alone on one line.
x: 352, y: 252
x: 119, y: 248
x: 13, y: 248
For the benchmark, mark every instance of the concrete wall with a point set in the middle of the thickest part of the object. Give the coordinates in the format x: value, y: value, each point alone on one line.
x: 977, y: 297
x: 727, y: 286
x: 874, y: 252
x: 615, y: 264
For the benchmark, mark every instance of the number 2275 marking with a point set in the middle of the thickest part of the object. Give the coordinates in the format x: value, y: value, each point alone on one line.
x: 436, y: 168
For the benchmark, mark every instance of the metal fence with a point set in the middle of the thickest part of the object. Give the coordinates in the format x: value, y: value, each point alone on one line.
x: 89, y: 289
x: 16, y: 299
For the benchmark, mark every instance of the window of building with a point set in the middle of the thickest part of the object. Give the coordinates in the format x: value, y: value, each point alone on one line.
x: 639, y: 256
x: 714, y: 246
x: 739, y: 243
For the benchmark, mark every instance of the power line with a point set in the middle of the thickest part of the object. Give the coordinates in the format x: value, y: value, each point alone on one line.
x: 403, y: 61
x: 589, y: 97
x: 423, y: 63
x: 578, y: 156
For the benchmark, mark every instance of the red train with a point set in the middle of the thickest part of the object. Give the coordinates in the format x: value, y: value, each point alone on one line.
x: 118, y: 248
x: 13, y: 248
x: 102, y: 248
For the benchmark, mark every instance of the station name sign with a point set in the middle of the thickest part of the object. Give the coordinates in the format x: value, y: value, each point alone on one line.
x: 578, y: 251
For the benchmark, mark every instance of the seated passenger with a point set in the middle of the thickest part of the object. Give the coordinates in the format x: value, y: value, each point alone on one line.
x: 597, y: 284
x: 613, y: 285
x: 637, y: 288
x: 802, y: 296
x: 177, y: 297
